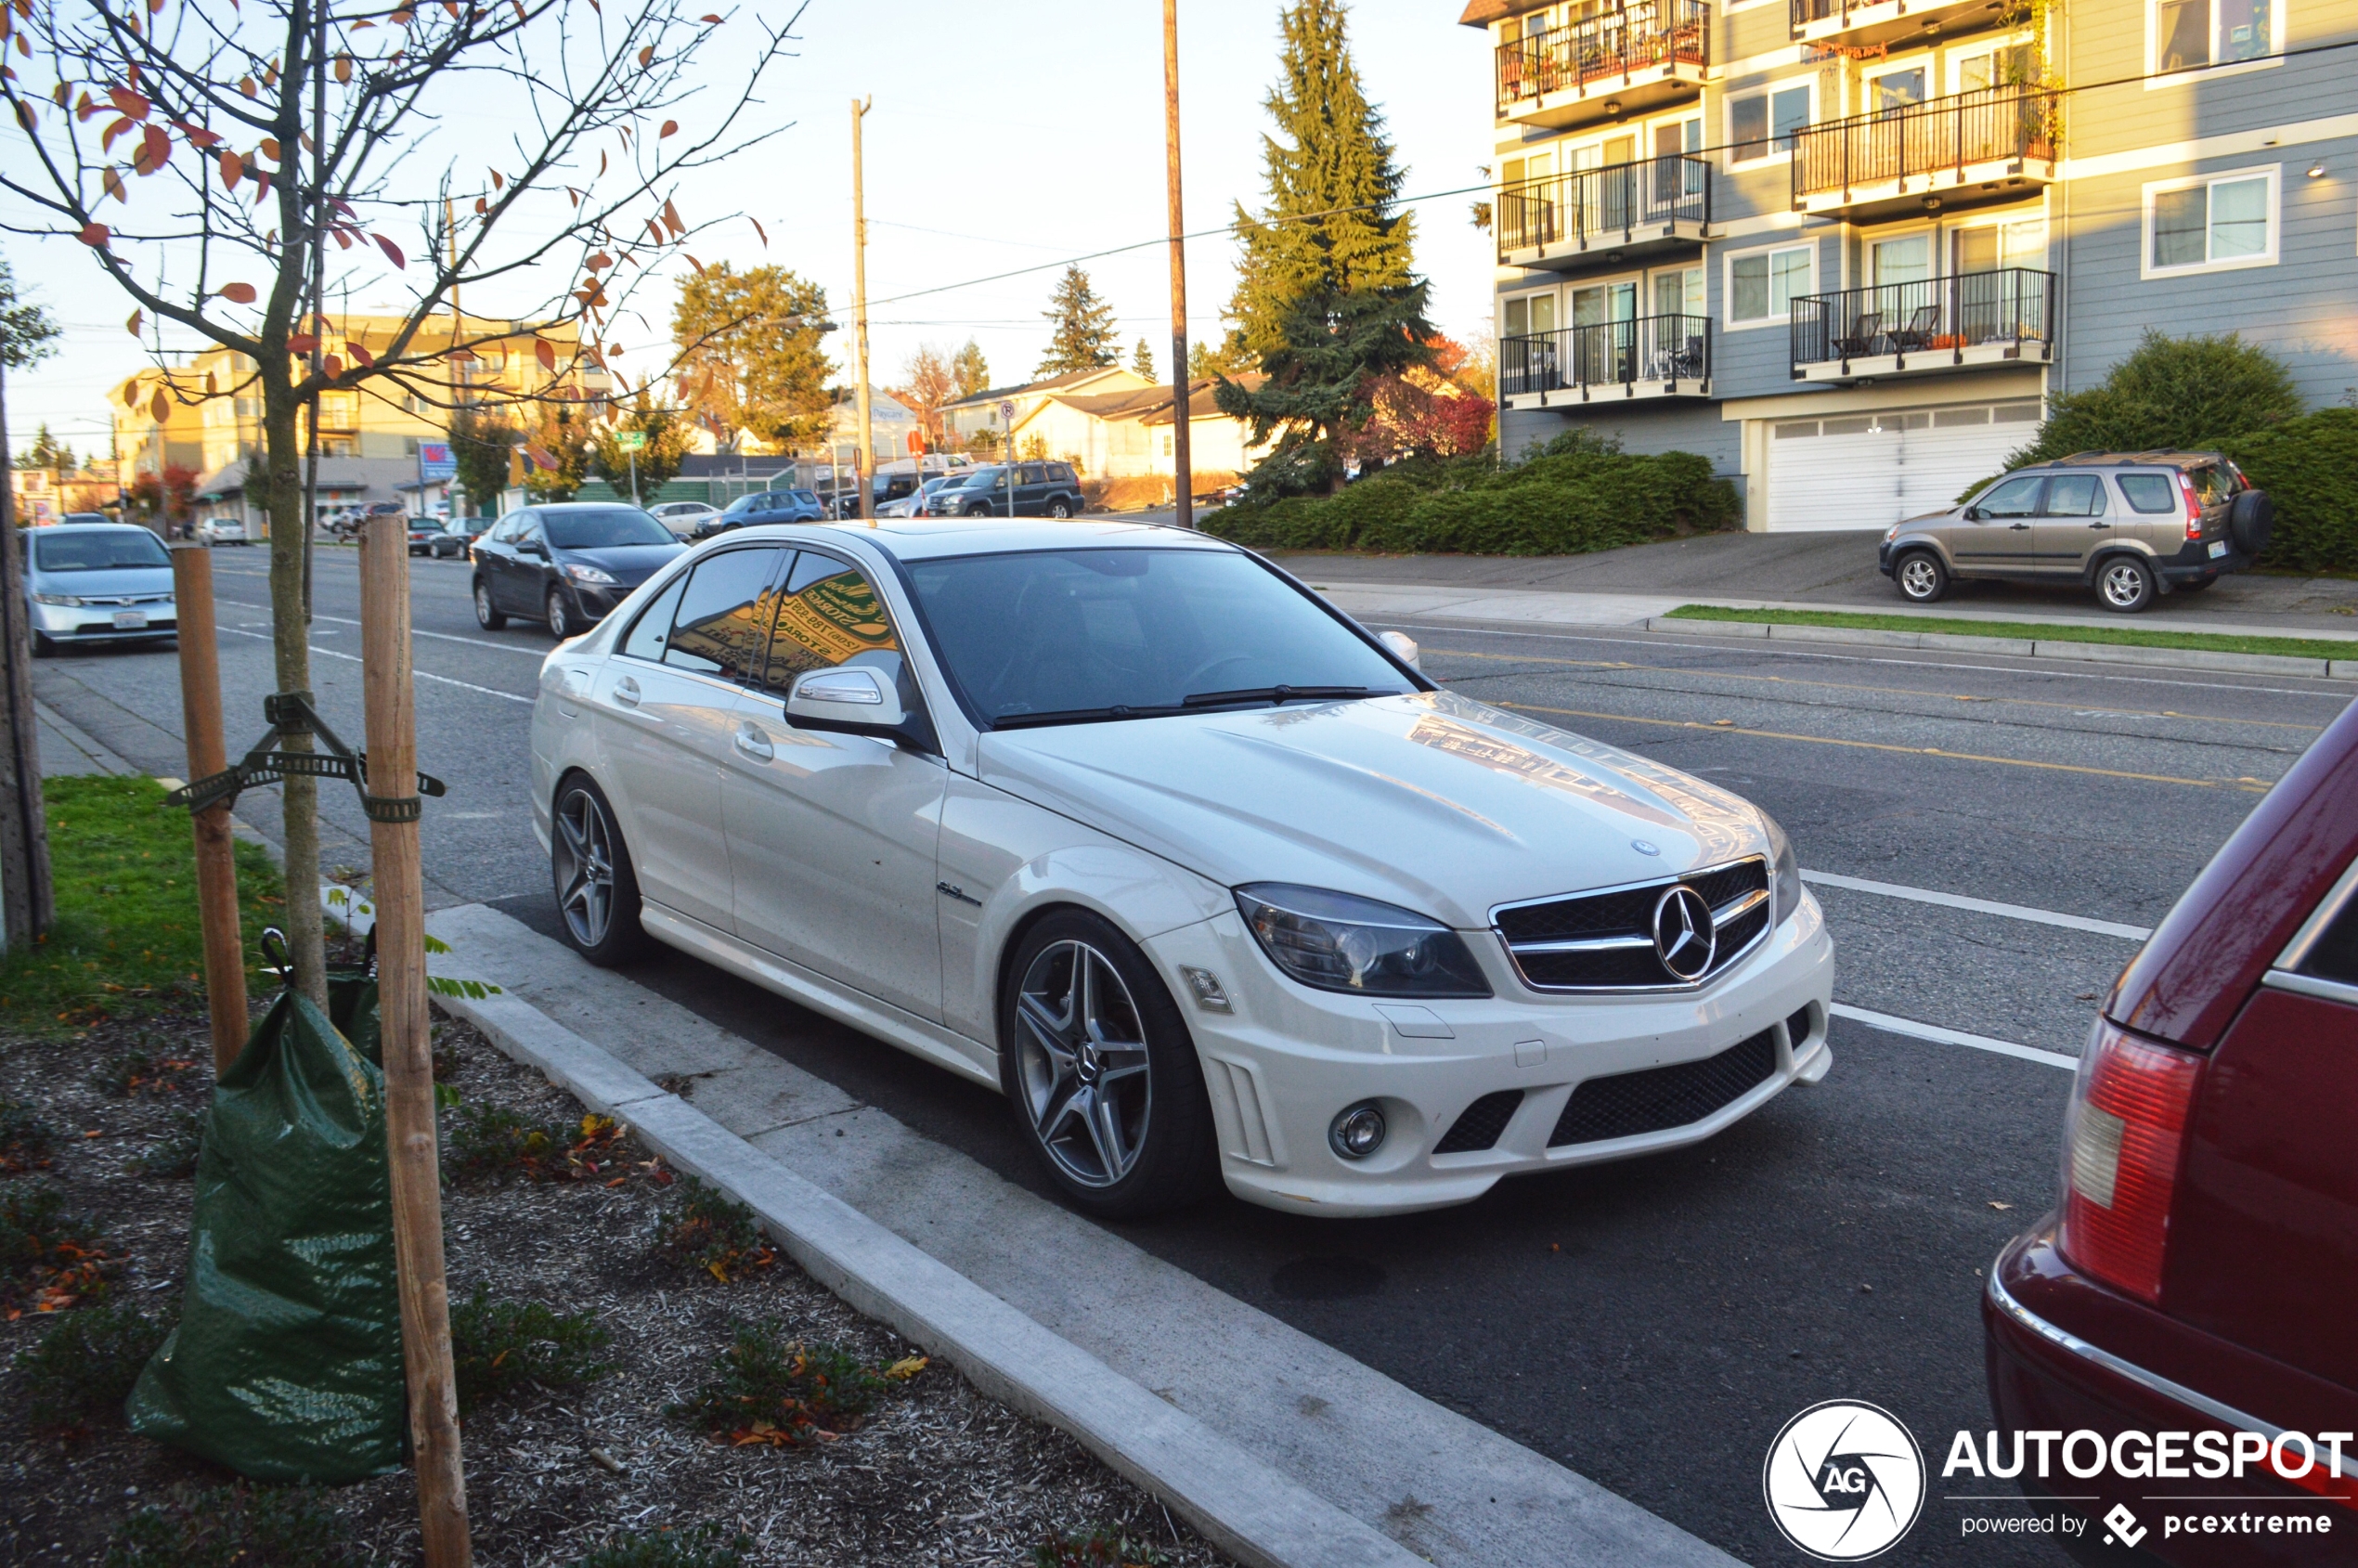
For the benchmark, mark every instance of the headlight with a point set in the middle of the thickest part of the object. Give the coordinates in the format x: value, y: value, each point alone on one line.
x: 1784, y: 874
x: 55, y: 599
x: 1891, y: 533
x: 1337, y: 941
x: 582, y: 574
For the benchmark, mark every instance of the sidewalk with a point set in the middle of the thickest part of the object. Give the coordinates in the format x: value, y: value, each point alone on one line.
x: 1102, y: 1327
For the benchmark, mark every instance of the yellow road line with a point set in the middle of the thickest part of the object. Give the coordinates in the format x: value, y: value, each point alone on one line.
x: 1851, y: 686
x: 2253, y: 786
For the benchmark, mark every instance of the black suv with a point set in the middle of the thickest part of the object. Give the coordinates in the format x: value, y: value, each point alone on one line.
x: 762, y: 506
x: 566, y: 564
x: 1043, y: 489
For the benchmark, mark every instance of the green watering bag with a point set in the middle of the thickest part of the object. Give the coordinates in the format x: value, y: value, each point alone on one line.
x: 286, y: 1364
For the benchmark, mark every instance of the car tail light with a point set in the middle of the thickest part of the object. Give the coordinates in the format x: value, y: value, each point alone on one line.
x: 2193, y: 506
x: 2122, y: 1139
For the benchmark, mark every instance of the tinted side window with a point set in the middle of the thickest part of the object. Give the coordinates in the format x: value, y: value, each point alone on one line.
x: 1061, y: 473
x: 829, y: 614
x: 723, y: 620
x: 2013, y: 498
x: 2075, y: 495
x: 1034, y: 474
x: 652, y: 630
x: 2335, y: 956
x: 2149, y: 492
x: 2212, y: 485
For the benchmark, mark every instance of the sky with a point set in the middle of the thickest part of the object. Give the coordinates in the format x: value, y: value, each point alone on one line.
x: 1001, y: 137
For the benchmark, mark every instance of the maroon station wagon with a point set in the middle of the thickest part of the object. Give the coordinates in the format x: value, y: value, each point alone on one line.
x: 2200, y: 1273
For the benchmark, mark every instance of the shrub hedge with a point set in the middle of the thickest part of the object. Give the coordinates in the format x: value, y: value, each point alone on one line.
x: 2309, y: 466
x: 1572, y: 498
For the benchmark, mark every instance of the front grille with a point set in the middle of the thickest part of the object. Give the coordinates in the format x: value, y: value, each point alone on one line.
x: 1797, y: 1026
x: 1604, y: 941
x: 1479, y: 1124
x: 1628, y: 1104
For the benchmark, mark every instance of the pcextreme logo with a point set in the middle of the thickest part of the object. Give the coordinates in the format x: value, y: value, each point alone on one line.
x: 1845, y: 1480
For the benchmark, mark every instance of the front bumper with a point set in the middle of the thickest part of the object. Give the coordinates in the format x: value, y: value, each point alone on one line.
x: 95, y: 623
x: 1281, y: 1066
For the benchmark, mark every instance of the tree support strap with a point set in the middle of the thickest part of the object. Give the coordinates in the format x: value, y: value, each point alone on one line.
x: 291, y: 713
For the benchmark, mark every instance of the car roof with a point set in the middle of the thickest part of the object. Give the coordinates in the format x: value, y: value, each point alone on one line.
x: 94, y: 528
x: 925, y: 538
x: 584, y: 506
x: 2109, y: 459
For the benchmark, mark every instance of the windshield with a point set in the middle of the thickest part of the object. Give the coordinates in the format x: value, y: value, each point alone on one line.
x: 1126, y: 633
x: 116, y: 550
x: 604, y: 529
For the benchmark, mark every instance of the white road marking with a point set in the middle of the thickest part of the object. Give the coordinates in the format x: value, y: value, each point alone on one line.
x: 418, y: 631
x: 419, y: 674
x: 1952, y: 1037
x: 1980, y: 906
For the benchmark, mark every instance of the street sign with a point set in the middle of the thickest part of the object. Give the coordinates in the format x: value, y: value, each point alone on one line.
x: 435, y: 461
x: 1007, y: 412
x: 631, y: 440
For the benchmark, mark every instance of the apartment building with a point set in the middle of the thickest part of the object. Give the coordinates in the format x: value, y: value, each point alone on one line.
x: 1847, y: 248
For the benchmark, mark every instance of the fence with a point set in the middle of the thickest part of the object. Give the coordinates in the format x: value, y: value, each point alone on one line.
x: 1649, y: 348
x: 1989, y: 124
x: 1615, y: 43
x: 2013, y: 304
x: 1585, y: 205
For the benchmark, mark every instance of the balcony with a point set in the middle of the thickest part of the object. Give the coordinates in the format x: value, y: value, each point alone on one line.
x: 1990, y: 141
x: 1651, y: 357
x: 1970, y: 318
x: 1619, y: 62
x: 1629, y: 209
x: 1857, y: 23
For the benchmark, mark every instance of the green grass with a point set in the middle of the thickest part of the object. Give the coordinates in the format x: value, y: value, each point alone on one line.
x: 126, y: 942
x: 2044, y: 631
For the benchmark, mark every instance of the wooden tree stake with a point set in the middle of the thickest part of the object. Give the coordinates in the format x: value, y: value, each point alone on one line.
x: 225, y: 951
x: 401, y: 1003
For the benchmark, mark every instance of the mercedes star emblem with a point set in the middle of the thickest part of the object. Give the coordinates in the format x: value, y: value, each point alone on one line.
x: 1684, y: 935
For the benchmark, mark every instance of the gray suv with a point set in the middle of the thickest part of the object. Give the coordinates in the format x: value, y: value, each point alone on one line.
x: 2132, y: 525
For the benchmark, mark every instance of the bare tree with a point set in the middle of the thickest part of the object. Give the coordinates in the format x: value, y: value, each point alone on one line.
x: 926, y: 383
x: 229, y: 168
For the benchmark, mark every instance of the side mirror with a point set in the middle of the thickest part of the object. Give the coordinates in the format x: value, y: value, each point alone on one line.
x: 849, y: 700
x: 531, y: 547
x: 1974, y: 514
x: 1404, y: 648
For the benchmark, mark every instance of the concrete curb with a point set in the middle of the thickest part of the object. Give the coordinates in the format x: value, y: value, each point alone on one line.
x: 1241, y: 1505
x: 2018, y: 647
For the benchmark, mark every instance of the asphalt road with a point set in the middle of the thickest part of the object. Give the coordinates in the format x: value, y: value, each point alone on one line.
x: 1649, y: 1324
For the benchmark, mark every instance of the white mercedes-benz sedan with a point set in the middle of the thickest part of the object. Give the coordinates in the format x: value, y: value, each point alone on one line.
x: 1206, y: 878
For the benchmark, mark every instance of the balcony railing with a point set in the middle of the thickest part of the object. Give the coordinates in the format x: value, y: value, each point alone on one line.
x: 1590, y: 204
x: 1616, y: 42
x: 1938, y: 318
x: 1615, y: 354
x: 1989, y: 124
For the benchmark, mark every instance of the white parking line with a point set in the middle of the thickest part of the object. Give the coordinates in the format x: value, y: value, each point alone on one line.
x: 1938, y: 1035
x: 419, y: 632
x: 1980, y: 906
x: 419, y: 674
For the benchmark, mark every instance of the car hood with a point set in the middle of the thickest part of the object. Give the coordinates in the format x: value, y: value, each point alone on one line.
x: 1426, y: 800
x: 629, y: 565
x: 103, y: 585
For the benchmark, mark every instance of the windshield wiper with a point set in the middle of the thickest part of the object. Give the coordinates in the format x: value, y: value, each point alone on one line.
x: 1276, y: 695
x: 1079, y: 716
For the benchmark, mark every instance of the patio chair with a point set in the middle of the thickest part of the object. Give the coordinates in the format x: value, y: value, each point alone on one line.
x: 1917, y: 334
x: 1860, y: 343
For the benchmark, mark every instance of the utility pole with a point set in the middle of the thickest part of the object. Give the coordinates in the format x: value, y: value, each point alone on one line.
x: 1182, y: 468
x: 860, y: 313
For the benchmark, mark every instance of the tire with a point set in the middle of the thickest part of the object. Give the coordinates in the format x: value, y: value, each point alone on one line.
x: 1920, y: 578
x: 1060, y: 510
x: 1134, y: 1059
x: 485, y: 616
x: 590, y: 874
x: 981, y: 511
x: 2125, y: 583
x: 2250, y: 521
x: 560, y: 617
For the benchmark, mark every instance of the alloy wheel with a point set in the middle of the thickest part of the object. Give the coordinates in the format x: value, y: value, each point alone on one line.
x: 1918, y: 578
x: 2124, y: 585
x: 560, y: 624
x: 585, y: 867
x: 1082, y: 1060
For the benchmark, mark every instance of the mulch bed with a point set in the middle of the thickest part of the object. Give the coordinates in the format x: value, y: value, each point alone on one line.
x: 935, y: 1472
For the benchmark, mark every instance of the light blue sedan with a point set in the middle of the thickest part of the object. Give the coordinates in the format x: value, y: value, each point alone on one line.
x: 107, y: 582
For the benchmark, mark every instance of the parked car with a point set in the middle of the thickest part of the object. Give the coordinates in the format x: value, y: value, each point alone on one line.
x: 763, y: 505
x: 916, y: 502
x: 97, y: 582
x: 566, y: 564
x: 682, y: 517
x: 2131, y: 526
x: 884, y: 490
x: 1043, y: 489
x: 460, y: 533
x: 1082, y: 811
x: 428, y: 536
x: 86, y: 517
x: 208, y: 530
x: 2195, y: 1276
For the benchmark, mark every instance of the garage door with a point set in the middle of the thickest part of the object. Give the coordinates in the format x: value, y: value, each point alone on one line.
x: 1869, y: 471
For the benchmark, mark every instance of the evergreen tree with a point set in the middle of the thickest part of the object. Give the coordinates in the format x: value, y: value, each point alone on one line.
x: 1141, y: 359
x: 1085, y: 335
x: 1326, y: 298
x: 47, y: 451
x: 970, y: 372
x: 1229, y: 358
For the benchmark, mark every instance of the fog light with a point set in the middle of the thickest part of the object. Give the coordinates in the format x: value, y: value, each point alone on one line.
x: 1358, y: 1132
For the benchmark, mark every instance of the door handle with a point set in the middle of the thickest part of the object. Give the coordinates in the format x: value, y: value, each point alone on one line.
x: 2100, y: 525
x: 2016, y: 527
x: 626, y: 692
x: 753, y: 743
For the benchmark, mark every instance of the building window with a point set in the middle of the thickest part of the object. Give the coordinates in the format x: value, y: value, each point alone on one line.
x: 2211, y: 222
x: 2005, y: 65
x: 1679, y: 293
x: 1762, y: 125
x: 1898, y: 87
x: 1528, y: 314
x: 1986, y: 247
x: 1762, y: 285
x: 2188, y: 34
